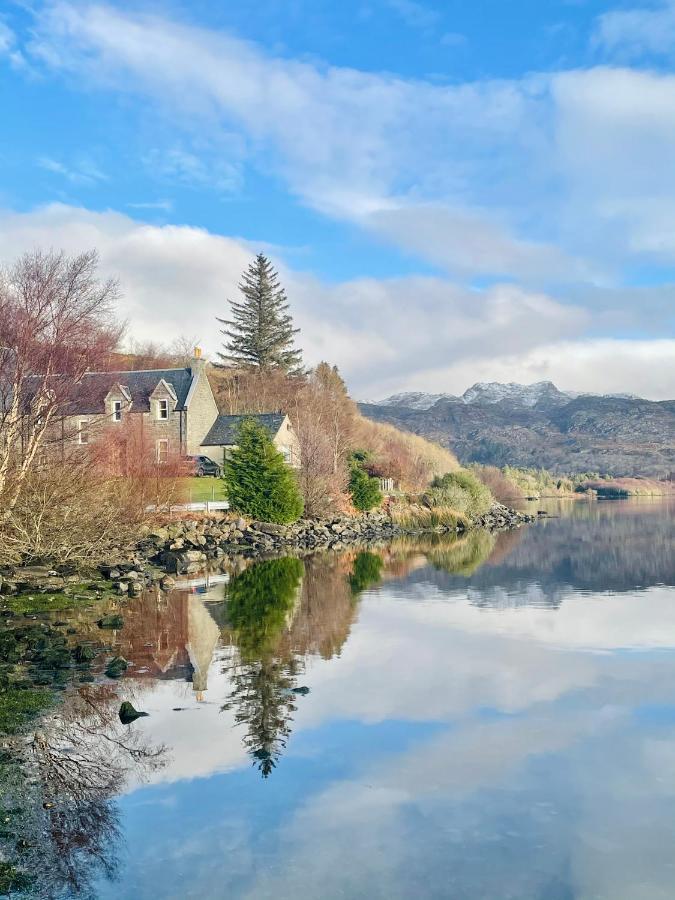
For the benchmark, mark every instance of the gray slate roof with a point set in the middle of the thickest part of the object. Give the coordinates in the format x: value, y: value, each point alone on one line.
x: 224, y: 430
x: 88, y: 396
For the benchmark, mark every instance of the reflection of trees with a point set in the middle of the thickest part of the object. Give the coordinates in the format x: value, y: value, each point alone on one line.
x: 263, y: 701
x: 366, y: 571
x: 606, y: 546
x: 261, y: 603
x: 463, y: 555
x: 76, y: 764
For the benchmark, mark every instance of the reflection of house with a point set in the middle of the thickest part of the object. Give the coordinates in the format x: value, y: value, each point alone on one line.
x: 203, y: 636
x: 156, y: 636
x: 223, y: 435
x: 170, y: 637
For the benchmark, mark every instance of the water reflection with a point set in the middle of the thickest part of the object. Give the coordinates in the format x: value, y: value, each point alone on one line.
x: 437, y: 718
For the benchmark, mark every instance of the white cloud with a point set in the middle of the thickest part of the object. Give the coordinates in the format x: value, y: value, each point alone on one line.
x: 9, y: 47
x: 531, y: 177
x: 633, y: 32
x: 82, y: 172
x: 414, y: 332
x: 415, y: 14
x: 371, y: 148
x: 600, y: 365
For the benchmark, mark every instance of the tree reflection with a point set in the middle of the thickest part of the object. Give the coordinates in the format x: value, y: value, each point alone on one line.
x: 463, y: 556
x: 261, y: 604
x: 366, y: 572
x: 62, y: 785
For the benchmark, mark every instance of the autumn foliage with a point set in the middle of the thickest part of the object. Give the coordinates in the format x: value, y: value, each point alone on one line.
x: 330, y: 428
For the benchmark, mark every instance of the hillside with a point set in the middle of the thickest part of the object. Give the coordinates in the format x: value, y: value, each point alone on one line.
x: 539, y: 425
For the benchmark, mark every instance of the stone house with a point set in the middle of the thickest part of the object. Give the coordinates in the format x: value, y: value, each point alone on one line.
x: 222, y: 436
x: 174, y: 409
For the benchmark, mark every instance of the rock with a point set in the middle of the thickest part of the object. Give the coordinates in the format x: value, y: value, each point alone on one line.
x: 129, y: 714
x: 300, y: 690
x: 84, y: 653
x: 112, y: 620
x: 167, y: 583
x: 116, y: 667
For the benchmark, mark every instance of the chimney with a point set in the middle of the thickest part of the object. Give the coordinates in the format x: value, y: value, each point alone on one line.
x: 197, y: 362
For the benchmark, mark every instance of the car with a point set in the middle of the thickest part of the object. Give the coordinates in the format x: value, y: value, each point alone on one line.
x: 204, y: 465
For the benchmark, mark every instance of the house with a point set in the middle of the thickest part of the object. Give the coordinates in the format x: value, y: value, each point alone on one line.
x: 173, y: 409
x: 222, y: 436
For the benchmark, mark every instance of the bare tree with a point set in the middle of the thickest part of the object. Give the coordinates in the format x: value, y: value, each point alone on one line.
x: 56, y: 322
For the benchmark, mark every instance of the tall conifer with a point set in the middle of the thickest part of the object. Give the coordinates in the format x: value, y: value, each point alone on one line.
x: 260, y: 333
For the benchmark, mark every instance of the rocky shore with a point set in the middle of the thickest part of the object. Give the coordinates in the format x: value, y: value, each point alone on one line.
x: 188, y: 546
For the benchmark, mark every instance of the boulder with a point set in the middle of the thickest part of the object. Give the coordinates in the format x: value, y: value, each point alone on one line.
x: 129, y: 714
x: 116, y: 667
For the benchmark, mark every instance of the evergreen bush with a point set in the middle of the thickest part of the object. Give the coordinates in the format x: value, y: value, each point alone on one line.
x: 364, y: 489
x: 259, y: 484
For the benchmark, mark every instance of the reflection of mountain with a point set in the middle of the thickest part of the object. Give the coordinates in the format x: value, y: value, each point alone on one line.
x: 599, y: 547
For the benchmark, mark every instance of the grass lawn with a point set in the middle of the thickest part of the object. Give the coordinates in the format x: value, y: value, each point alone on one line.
x: 196, y: 490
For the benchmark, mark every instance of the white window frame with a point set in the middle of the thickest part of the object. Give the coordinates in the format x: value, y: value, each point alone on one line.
x: 82, y: 433
x: 287, y: 454
x: 162, y: 455
x: 163, y: 410
x: 117, y: 410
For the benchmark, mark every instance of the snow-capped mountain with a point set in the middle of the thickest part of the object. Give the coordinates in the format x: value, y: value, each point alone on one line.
x: 515, y: 394
x: 490, y: 392
x: 415, y: 400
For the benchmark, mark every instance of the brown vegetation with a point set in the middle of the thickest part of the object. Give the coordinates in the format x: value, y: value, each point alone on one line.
x: 329, y: 428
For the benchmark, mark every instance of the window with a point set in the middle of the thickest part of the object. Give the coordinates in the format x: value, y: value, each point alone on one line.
x: 288, y: 454
x: 117, y: 411
x: 162, y: 451
x: 163, y: 409
x: 82, y: 433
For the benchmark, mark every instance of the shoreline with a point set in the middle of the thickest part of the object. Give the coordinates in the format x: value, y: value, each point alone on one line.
x: 187, y: 546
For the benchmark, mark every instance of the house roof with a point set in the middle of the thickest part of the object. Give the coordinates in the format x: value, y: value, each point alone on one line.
x: 224, y: 430
x: 88, y: 395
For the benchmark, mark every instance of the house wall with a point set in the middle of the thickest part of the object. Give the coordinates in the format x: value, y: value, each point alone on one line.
x: 287, y: 440
x: 149, y: 426
x: 202, y: 413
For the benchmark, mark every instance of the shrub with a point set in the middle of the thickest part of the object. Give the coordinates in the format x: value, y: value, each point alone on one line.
x: 422, y: 518
x: 258, y: 481
x: 462, y: 491
x: 364, y: 489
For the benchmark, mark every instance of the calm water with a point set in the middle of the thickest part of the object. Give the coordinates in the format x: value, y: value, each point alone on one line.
x: 490, y: 718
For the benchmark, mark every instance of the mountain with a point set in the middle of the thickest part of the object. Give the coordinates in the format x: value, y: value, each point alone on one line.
x: 515, y: 394
x: 540, y: 425
x: 414, y: 400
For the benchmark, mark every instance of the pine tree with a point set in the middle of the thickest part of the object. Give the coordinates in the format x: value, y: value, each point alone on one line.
x: 258, y: 481
x: 260, y: 333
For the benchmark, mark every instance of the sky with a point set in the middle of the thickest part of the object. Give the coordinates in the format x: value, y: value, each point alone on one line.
x: 451, y: 192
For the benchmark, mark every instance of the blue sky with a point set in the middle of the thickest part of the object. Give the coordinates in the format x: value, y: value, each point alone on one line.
x: 452, y: 192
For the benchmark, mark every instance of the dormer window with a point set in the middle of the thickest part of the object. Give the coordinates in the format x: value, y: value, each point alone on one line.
x: 163, y: 410
x: 117, y: 411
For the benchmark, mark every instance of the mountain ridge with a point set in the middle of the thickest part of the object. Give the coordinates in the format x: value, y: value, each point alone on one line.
x: 539, y: 425
x: 494, y: 392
